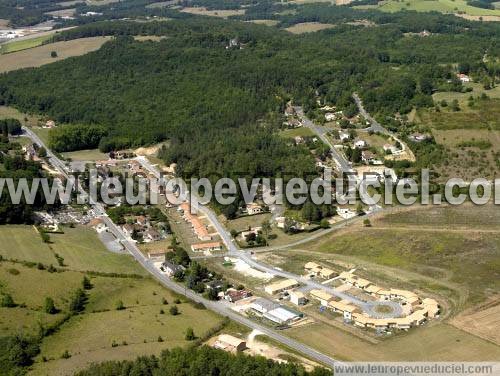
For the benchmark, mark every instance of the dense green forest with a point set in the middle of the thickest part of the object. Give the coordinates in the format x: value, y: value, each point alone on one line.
x: 199, y: 361
x: 220, y: 107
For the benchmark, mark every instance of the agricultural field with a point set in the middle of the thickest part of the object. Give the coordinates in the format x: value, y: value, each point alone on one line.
x: 482, y: 321
x: 213, y: 13
x: 443, y: 6
x: 23, y: 44
x: 265, y: 22
x: 38, y: 56
x: 79, y: 247
x: 308, y: 27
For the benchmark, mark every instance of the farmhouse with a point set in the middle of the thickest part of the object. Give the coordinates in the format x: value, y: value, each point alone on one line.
x: 280, y: 286
x: 229, y: 343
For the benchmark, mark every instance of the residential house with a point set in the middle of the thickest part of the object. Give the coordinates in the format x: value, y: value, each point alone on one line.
x: 360, y: 144
x: 321, y: 295
x: 158, y: 254
x: 329, y: 116
x: 128, y: 229
x: 170, y: 268
x: 151, y: 235
x: 285, y: 284
x: 343, y: 307
x: 233, y: 295
x: 297, y: 298
x: 367, y: 156
x: 463, y: 77
x: 254, y: 208
x: 344, y: 136
x: 206, y: 247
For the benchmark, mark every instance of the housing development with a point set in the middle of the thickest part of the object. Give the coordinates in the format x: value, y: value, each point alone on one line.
x: 224, y: 187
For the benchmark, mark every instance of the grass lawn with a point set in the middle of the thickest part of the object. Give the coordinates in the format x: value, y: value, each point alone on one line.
x: 38, y: 56
x: 86, y: 155
x: 23, y: 243
x: 308, y: 27
x: 291, y: 133
x: 243, y: 223
x: 23, y: 44
x: 43, y: 133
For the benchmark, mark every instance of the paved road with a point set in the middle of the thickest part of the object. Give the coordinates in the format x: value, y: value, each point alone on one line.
x: 374, y: 124
x: 219, y: 307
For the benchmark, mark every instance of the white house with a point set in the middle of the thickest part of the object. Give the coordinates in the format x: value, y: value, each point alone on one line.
x: 297, y: 298
x: 344, y: 136
x: 360, y: 144
x: 329, y: 116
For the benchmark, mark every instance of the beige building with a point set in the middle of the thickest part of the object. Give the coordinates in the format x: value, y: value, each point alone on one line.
x: 297, y: 298
x: 322, y: 296
x: 230, y: 343
x: 280, y: 286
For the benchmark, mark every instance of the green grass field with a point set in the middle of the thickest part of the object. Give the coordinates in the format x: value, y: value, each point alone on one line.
x: 80, y: 247
x: 23, y: 44
x: 443, y: 6
x: 291, y: 133
x: 101, y: 332
x: 86, y: 155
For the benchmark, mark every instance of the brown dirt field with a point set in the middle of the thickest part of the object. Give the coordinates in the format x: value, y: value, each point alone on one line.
x: 214, y: 13
x: 39, y: 56
x: 308, y: 27
x: 479, y: 18
x: 482, y: 321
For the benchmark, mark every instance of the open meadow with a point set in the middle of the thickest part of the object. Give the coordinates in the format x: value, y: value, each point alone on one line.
x: 41, y: 55
x: 124, y: 316
x: 443, y: 6
x: 308, y: 27
x: 222, y: 13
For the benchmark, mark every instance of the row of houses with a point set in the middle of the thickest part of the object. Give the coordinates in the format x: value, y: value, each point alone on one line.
x: 198, y: 227
x: 280, y: 286
x: 317, y: 270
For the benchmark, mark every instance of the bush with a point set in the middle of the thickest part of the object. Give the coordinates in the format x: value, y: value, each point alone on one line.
x: 120, y: 306
x: 7, y: 301
x: 190, y: 334
x: 174, y: 311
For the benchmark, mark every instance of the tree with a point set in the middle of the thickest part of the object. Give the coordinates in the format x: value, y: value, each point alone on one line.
x: 367, y: 223
x: 78, y: 301
x: 324, y: 223
x: 190, y: 334
x: 174, y: 311
x: 86, y: 284
x: 119, y: 305
x: 42, y: 152
x: 266, y: 228
x: 455, y: 106
x: 7, y: 301
x: 53, y: 54
x: 49, y: 306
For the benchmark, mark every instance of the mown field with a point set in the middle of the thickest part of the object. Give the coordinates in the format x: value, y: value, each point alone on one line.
x: 23, y: 44
x: 41, y: 55
x: 101, y: 332
x: 443, y: 6
x: 308, y: 27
